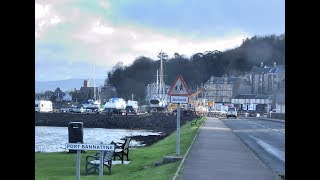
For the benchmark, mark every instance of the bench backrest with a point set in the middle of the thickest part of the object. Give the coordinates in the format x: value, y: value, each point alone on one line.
x: 126, y: 145
x: 108, y: 156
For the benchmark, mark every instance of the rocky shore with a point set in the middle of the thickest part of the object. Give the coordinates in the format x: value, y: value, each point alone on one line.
x: 158, y: 122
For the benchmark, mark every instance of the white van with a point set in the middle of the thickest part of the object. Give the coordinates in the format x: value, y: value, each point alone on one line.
x: 134, y: 105
x: 232, y: 112
x: 43, y: 106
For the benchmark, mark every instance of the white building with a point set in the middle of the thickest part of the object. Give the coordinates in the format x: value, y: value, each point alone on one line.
x: 280, y: 100
x: 252, y: 102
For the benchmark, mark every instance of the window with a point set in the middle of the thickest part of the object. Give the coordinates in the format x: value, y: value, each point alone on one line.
x: 231, y: 109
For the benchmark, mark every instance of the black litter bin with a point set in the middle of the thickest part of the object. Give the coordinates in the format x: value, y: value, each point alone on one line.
x: 75, y: 133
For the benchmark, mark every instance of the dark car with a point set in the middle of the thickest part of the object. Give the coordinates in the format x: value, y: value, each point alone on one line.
x: 130, y: 110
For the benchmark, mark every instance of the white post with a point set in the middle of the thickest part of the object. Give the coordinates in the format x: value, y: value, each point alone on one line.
x: 78, y: 165
x: 178, y: 130
x: 101, y: 165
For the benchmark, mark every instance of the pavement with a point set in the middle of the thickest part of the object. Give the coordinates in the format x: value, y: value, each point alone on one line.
x: 217, y: 153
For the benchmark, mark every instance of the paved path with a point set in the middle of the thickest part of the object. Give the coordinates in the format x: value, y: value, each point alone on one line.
x: 217, y: 153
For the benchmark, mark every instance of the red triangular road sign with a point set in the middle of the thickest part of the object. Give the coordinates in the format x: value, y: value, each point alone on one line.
x: 179, y: 88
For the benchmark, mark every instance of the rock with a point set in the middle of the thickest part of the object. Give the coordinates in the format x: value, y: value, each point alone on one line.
x: 158, y: 163
x: 171, y: 159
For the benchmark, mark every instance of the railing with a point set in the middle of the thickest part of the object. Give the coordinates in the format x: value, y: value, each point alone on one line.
x: 221, y: 114
x: 216, y: 114
x: 278, y: 115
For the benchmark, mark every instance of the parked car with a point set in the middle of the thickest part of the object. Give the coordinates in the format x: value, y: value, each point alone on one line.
x: 272, y: 111
x: 232, y: 112
x: 130, y: 110
x: 78, y: 110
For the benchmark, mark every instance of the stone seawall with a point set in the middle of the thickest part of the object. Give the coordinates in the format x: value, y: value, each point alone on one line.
x: 154, y: 122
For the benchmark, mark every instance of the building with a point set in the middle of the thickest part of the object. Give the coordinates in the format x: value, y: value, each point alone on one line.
x: 252, y: 102
x: 261, y: 89
x: 87, y: 92
x: 67, y: 97
x: 223, y: 89
x: 280, y: 98
x: 265, y: 80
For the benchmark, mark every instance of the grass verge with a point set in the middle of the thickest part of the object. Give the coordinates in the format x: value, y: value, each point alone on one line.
x: 62, y: 165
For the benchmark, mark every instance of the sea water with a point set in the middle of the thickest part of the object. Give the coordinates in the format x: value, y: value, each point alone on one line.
x: 53, y: 139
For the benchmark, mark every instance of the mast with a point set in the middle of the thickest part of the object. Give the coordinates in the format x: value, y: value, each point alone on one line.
x: 161, y: 75
x: 157, y: 89
x: 94, y: 81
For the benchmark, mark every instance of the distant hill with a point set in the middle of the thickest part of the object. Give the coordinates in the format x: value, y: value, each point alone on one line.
x: 64, y: 85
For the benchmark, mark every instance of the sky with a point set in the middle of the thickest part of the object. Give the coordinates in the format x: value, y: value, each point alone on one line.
x: 87, y: 38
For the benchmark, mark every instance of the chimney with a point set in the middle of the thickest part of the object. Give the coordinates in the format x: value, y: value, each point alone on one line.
x: 261, y: 64
x: 86, y: 83
x: 274, y: 64
x: 212, y: 78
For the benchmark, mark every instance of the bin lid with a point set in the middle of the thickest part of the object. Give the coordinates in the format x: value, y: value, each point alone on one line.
x: 75, y: 123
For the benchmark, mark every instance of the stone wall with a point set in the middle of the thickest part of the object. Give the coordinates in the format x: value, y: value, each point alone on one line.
x: 157, y: 122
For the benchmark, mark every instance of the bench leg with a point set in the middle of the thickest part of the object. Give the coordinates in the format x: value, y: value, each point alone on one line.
x: 122, y: 157
x: 109, y: 166
x: 90, y: 167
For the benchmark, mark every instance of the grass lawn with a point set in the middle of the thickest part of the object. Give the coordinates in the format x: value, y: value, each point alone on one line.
x: 62, y: 165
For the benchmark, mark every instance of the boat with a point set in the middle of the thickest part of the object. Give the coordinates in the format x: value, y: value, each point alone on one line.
x: 158, y: 91
x: 93, y: 104
x: 115, y: 106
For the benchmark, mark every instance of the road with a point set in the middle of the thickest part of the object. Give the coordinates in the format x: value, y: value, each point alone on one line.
x: 265, y: 138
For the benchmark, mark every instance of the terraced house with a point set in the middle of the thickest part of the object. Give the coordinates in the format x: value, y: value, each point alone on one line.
x: 262, y: 85
x: 265, y: 80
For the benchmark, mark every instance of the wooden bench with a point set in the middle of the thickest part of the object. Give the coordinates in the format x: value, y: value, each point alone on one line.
x: 93, y: 162
x: 122, y: 149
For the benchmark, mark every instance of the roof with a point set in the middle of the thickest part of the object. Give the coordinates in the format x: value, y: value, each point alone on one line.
x: 253, y: 96
x: 265, y: 69
x: 220, y: 80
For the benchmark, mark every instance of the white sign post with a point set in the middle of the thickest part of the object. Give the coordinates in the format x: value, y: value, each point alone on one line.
x: 79, y: 146
x: 78, y: 164
x: 101, y: 165
x: 179, y: 93
x: 178, y: 131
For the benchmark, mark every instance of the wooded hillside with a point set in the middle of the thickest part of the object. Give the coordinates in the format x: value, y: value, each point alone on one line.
x: 199, y: 67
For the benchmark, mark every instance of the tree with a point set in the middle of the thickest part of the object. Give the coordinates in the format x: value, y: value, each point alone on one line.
x: 199, y: 67
x: 58, y: 93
